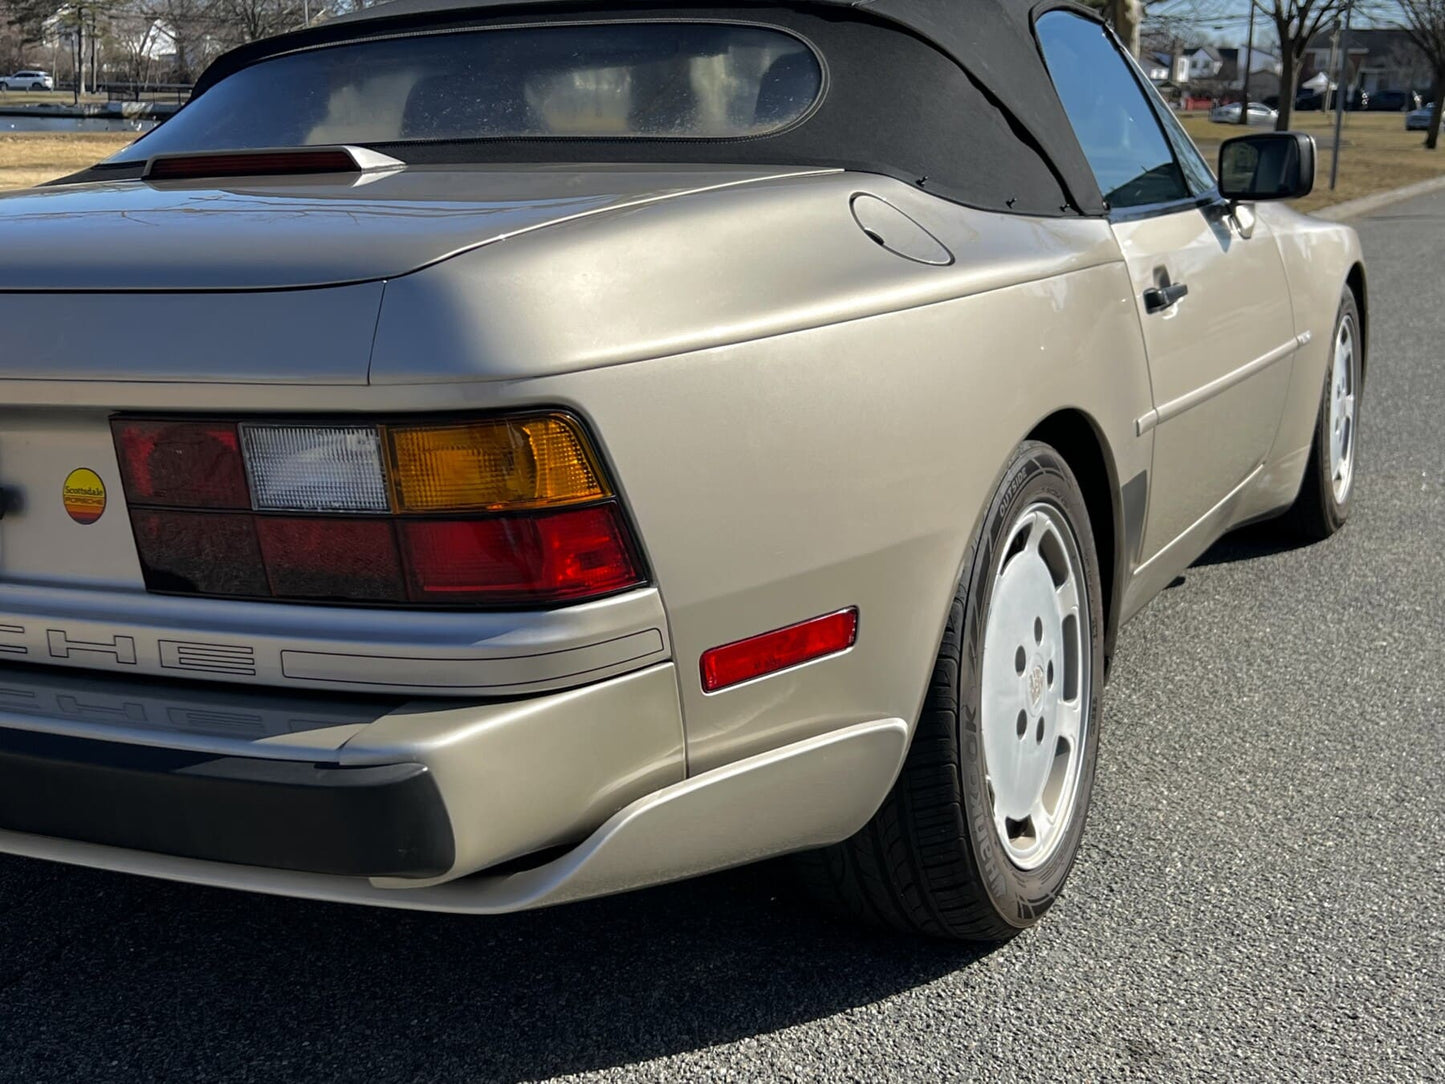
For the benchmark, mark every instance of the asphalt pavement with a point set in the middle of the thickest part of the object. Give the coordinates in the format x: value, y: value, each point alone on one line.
x: 1261, y: 893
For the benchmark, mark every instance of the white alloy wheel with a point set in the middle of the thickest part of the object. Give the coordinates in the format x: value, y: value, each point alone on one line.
x: 1342, y: 411
x: 1036, y: 685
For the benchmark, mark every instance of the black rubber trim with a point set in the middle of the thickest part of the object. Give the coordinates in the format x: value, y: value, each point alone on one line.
x: 375, y: 821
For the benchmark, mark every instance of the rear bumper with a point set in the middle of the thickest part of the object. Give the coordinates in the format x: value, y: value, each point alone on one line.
x: 418, y: 804
x: 399, y: 791
x: 807, y: 794
x: 381, y: 821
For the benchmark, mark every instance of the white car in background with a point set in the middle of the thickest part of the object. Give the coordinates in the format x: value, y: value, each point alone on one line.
x: 30, y: 79
x: 1259, y: 114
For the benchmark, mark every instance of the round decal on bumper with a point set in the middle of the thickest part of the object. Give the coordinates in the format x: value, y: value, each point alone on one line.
x: 83, y: 495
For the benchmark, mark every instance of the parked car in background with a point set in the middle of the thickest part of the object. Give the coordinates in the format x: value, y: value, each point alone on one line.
x: 1393, y: 101
x: 1418, y: 120
x: 1356, y: 100
x: 1259, y: 114
x: 633, y: 448
x: 29, y: 79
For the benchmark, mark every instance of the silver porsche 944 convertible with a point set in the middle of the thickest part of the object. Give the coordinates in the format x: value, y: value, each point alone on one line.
x: 485, y: 454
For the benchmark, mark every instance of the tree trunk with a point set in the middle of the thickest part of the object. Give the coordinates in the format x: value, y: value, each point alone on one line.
x: 1433, y: 135
x: 1127, y: 17
x: 79, y: 66
x: 1287, y: 69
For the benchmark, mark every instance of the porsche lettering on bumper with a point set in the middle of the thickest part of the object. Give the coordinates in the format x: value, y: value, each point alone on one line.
x: 379, y: 652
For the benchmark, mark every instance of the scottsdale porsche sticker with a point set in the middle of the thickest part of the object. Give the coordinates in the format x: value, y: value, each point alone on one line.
x: 83, y: 495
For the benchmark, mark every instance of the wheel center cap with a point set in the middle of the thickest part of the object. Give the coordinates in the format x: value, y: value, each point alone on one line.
x: 1036, y: 686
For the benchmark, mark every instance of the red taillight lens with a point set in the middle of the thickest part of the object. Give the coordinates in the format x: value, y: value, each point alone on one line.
x: 553, y: 557
x: 769, y: 652
x: 185, y: 464
x: 312, y: 511
x: 199, y: 553
x: 331, y: 558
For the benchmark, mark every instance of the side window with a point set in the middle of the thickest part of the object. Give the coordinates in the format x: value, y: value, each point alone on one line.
x: 1114, y: 122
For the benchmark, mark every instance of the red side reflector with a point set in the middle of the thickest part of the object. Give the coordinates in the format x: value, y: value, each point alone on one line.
x: 189, y: 464
x: 250, y: 164
x: 769, y: 652
x: 536, y: 558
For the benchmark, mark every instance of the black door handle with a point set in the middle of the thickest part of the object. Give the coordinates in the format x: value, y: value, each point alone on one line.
x: 1159, y: 298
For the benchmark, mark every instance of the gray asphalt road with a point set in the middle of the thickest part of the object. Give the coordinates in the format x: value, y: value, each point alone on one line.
x: 1261, y: 893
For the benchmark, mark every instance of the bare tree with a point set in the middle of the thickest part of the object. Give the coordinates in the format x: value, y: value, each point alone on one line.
x: 250, y: 20
x: 1296, y: 22
x: 137, y: 35
x: 21, y: 31
x: 78, y: 22
x: 192, y: 28
x: 1424, y: 21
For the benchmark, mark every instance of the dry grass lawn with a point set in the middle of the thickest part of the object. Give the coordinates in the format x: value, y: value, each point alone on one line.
x: 28, y: 158
x: 1377, y: 153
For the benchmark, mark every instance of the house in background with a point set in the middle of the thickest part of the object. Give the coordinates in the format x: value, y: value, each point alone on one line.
x: 1169, y: 72
x: 1204, y: 63
x: 1214, y: 74
x: 1264, y: 72
x: 1375, y: 60
x: 1198, y: 76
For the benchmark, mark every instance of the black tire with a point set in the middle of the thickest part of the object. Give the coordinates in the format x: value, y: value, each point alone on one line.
x: 1317, y: 513
x: 37, y: 86
x: 930, y: 861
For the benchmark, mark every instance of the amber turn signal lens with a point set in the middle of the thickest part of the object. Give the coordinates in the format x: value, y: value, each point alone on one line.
x: 537, y: 461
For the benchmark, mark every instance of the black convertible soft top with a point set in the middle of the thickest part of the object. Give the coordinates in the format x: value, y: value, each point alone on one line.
x: 951, y: 95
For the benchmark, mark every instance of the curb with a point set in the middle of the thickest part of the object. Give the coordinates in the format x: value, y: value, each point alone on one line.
x: 94, y: 110
x: 1365, y: 204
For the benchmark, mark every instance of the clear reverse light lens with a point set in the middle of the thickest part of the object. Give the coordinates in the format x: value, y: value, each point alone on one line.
x: 308, y: 468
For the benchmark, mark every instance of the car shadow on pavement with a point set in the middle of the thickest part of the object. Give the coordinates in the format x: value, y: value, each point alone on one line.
x: 1247, y: 543
x: 110, y: 977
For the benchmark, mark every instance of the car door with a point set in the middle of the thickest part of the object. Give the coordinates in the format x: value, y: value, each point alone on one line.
x: 1209, y: 285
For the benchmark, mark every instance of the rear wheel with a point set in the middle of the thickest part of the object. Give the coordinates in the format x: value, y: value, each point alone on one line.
x: 981, y: 829
x: 1323, y: 504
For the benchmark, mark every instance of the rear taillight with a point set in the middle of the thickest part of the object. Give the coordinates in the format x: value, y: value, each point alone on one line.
x: 503, y: 511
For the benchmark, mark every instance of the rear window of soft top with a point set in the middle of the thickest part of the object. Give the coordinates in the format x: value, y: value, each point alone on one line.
x: 614, y: 80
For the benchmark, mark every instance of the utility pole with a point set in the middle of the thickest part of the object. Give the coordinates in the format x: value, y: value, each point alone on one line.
x: 1340, y: 95
x: 1248, y: 63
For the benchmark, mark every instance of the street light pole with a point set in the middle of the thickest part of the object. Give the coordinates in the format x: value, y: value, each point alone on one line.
x: 1248, y: 63
x: 1340, y: 92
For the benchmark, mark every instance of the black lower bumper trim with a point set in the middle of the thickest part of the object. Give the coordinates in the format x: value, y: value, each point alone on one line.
x: 374, y: 821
